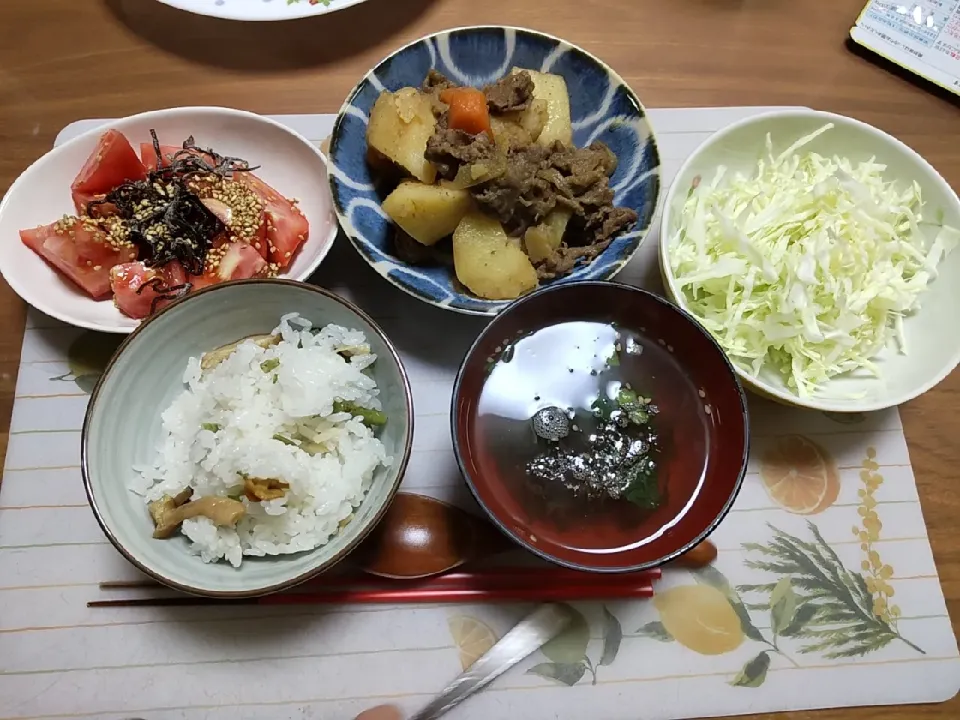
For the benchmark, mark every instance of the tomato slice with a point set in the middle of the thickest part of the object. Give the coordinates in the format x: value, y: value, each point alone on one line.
x: 79, y: 250
x: 112, y: 163
x: 132, y: 291
x: 287, y: 227
x: 226, y: 214
x: 148, y: 156
x: 231, y: 261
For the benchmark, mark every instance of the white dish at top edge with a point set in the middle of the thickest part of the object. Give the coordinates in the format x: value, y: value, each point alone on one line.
x: 260, y: 10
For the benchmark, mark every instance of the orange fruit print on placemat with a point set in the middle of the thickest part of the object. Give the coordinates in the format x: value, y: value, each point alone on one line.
x: 472, y: 638
x: 799, y: 475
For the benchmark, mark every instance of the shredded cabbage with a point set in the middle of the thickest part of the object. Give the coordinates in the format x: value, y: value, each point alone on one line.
x: 808, y: 265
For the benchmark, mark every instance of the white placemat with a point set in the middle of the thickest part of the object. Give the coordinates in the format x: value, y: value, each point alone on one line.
x: 841, y: 606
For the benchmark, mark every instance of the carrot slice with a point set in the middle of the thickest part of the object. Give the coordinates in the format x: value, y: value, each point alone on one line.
x: 468, y: 109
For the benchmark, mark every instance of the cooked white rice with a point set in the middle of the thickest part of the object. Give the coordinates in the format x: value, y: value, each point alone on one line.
x: 249, y: 408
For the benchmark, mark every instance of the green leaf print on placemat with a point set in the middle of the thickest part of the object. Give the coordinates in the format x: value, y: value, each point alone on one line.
x: 846, y: 613
x: 87, y: 357
x: 655, y: 630
x: 817, y: 603
x: 567, y: 652
x: 754, y: 672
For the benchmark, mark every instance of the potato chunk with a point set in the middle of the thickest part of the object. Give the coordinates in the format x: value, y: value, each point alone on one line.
x: 543, y: 239
x: 522, y: 127
x: 400, y: 125
x: 552, y: 89
x: 489, y: 263
x: 426, y: 213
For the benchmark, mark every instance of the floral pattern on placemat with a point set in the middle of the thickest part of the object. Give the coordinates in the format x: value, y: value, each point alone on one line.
x: 799, y: 475
x: 87, y: 358
x: 568, y: 660
x: 812, y: 605
x: 825, y: 608
x: 472, y: 638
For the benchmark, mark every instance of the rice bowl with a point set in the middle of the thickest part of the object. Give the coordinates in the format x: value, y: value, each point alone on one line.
x: 124, y: 435
x: 281, y: 410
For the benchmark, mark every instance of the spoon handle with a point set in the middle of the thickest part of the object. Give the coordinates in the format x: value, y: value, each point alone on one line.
x: 543, y: 624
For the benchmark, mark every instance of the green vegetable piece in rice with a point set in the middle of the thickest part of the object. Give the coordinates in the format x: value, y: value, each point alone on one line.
x: 212, y: 427
x: 269, y: 365
x: 285, y: 440
x: 313, y: 448
x: 349, y: 351
x: 213, y: 358
x: 367, y: 415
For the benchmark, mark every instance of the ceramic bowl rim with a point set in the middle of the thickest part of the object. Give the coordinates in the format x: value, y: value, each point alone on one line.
x: 811, y: 403
x: 459, y: 452
x: 11, y: 276
x: 352, y: 233
x: 400, y: 466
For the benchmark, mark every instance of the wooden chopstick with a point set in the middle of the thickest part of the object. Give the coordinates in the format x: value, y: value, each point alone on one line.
x: 411, y: 595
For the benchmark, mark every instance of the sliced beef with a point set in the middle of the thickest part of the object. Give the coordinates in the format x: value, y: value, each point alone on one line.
x: 596, y: 157
x: 539, y: 179
x: 433, y: 84
x: 436, y: 81
x: 603, y: 223
x: 584, y: 168
x: 449, y: 149
x: 510, y: 93
x: 566, y: 258
x: 415, y: 253
x: 526, y: 193
x: 536, y: 180
x: 409, y: 250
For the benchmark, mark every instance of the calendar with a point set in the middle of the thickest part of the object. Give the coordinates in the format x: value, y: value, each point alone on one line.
x: 922, y: 36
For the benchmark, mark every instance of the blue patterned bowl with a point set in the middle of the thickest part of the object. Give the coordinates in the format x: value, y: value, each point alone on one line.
x: 602, y: 108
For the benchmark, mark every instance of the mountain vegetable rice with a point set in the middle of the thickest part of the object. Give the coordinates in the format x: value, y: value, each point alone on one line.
x: 809, y: 265
x: 272, y: 445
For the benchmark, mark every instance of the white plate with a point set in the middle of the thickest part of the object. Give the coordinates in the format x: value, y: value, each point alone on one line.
x: 260, y: 10
x: 288, y: 161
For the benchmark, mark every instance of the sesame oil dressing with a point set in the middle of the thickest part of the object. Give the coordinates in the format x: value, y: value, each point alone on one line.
x: 551, y: 432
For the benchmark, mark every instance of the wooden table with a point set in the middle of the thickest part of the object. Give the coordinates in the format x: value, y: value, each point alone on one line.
x: 61, y: 60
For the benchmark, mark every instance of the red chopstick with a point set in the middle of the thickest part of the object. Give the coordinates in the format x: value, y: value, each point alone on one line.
x: 513, y: 576
x: 440, y: 595
x: 408, y: 595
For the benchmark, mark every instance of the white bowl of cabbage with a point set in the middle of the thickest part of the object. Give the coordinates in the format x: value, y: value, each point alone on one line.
x: 820, y: 252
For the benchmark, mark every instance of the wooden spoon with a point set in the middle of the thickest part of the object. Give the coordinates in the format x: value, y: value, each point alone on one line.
x: 422, y: 536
